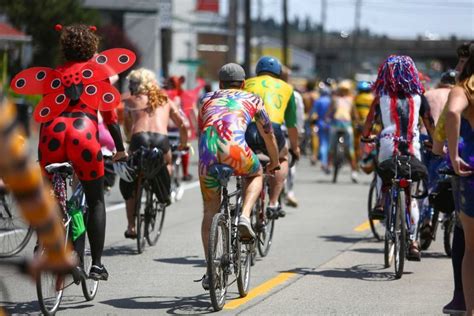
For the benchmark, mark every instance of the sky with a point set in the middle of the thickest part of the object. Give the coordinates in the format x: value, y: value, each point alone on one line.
x: 395, y: 18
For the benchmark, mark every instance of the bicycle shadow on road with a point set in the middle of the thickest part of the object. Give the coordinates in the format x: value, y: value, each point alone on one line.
x: 68, y: 302
x: 125, y: 250
x: 364, y: 272
x: 342, y: 238
x: 195, y: 261
x: 174, y: 305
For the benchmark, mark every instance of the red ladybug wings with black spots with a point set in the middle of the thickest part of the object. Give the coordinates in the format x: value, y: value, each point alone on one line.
x: 85, y: 81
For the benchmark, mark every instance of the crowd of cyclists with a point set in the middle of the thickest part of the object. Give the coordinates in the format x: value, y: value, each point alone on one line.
x: 396, y: 115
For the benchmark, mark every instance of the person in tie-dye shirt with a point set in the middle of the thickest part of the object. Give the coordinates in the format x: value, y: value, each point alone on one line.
x: 223, y: 119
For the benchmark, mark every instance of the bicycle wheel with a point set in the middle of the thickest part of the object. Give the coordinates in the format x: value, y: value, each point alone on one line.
x: 15, y: 233
x: 89, y: 286
x: 388, y: 240
x: 427, y: 231
x: 264, y: 229
x: 448, y: 234
x: 338, y: 160
x: 176, y: 181
x: 400, y: 235
x: 154, y: 219
x: 374, y: 224
x: 49, y: 288
x: 218, y: 261
x: 243, y: 277
x: 140, y: 219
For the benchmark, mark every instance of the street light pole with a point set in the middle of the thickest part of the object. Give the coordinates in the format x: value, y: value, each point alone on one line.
x: 248, y: 35
x: 285, y: 33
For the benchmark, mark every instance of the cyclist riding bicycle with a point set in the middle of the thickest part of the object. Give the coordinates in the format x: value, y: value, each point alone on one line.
x: 148, y: 111
x: 319, y: 112
x: 74, y: 92
x: 224, y: 117
x: 340, y: 116
x: 363, y: 100
x: 399, y: 102
x: 280, y: 105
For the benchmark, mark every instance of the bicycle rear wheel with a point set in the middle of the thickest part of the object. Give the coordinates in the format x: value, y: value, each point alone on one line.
x: 154, y: 219
x: 400, y: 235
x: 140, y: 219
x: 89, y: 286
x: 388, y: 240
x: 338, y: 160
x: 218, y: 261
x: 448, y: 226
x: 49, y: 288
x: 375, y: 225
x: 15, y: 233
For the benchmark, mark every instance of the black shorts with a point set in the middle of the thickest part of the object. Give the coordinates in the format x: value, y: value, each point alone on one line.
x: 161, y: 183
x: 149, y: 140
x: 256, y: 142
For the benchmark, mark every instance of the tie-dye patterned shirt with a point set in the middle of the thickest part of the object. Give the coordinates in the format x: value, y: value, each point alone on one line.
x: 223, y: 119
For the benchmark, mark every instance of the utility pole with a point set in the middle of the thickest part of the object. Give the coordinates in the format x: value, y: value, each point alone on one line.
x: 285, y: 33
x: 260, y: 40
x: 248, y: 36
x: 320, y: 56
x: 355, y: 39
x: 232, y: 31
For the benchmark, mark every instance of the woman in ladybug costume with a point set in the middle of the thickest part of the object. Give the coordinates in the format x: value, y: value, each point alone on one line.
x: 73, y: 94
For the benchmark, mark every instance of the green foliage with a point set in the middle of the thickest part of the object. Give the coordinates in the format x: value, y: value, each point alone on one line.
x: 38, y: 18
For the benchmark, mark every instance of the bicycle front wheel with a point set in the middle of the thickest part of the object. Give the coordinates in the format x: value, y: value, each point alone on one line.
x: 264, y: 229
x: 49, y: 288
x: 218, y: 261
x: 140, y: 219
x: 15, y: 233
x: 244, y: 251
x: 400, y: 235
x: 374, y: 224
x: 89, y: 286
x: 154, y: 219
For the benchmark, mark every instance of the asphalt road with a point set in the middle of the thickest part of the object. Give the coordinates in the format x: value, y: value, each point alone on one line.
x: 323, y: 261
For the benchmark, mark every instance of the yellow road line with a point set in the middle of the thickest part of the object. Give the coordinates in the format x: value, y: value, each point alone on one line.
x: 260, y: 290
x: 364, y: 226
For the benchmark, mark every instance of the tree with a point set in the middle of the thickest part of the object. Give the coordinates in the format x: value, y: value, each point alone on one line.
x: 38, y: 18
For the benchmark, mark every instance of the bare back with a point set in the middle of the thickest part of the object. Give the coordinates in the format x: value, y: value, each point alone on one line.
x: 437, y: 99
x: 144, y: 118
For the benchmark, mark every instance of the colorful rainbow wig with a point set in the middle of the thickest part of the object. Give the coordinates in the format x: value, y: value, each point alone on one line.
x: 398, y: 75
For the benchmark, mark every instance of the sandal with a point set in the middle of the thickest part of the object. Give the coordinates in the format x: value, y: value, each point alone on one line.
x: 414, y: 253
x: 130, y: 235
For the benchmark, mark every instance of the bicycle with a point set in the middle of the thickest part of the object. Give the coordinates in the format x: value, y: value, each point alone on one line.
x: 398, y: 216
x: 339, y: 153
x: 149, y: 215
x: 177, y: 189
x: 15, y: 233
x: 50, y: 286
x: 227, y: 254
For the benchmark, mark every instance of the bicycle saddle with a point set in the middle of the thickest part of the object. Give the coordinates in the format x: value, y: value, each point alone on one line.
x: 221, y: 172
x: 64, y: 168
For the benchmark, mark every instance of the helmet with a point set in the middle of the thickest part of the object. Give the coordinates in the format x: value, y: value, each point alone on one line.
x: 449, y: 77
x: 268, y: 64
x: 363, y: 86
x: 124, y: 171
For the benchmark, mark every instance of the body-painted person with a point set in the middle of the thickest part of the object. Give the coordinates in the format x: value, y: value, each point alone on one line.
x: 460, y: 106
x: 399, y: 101
x: 73, y: 93
x: 224, y: 116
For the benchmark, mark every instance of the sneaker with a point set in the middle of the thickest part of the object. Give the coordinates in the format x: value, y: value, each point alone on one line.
x: 272, y: 212
x: 187, y: 177
x: 414, y: 253
x: 291, y: 201
x: 377, y: 213
x: 457, y: 305
x: 281, y: 212
x: 245, y: 229
x: 98, y: 273
x: 354, y: 177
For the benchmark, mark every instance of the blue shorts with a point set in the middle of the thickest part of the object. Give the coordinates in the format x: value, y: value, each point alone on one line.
x: 466, y: 193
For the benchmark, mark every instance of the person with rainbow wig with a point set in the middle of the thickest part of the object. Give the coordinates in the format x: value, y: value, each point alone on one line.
x: 399, y: 102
